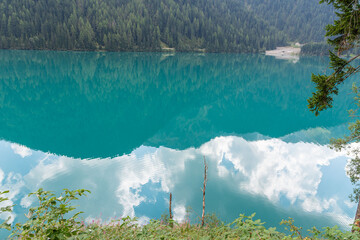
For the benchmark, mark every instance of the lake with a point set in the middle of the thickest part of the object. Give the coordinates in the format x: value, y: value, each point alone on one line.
x: 133, y: 127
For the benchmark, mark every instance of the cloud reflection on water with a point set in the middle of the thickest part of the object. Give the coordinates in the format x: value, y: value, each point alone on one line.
x: 274, y: 178
x: 21, y: 150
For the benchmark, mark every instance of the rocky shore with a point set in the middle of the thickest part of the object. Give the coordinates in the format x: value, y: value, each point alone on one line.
x: 288, y: 53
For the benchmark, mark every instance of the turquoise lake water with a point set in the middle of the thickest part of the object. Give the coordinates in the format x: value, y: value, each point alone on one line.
x: 133, y: 127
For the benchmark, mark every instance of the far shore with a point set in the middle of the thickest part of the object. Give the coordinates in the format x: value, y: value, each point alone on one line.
x: 289, y: 52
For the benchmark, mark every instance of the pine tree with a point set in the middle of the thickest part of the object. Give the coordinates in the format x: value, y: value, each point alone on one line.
x: 343, y: 35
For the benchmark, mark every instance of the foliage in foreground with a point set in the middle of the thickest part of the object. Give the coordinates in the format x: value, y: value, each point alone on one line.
x: 5, y: 209
x: 344, y: 35
x: 48, y: 220
x: 51, y: 219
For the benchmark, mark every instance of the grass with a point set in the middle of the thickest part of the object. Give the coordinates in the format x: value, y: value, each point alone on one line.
x: 53, y: 218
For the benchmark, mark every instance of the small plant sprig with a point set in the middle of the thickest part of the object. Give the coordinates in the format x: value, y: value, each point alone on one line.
x: 295, y: 231
x: 5, y: 224
x: 248, y: 228
x: 47, y: 221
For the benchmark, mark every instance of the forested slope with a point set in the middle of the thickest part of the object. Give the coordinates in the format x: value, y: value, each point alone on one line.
x: 134, y: 25
x: 302, y: 20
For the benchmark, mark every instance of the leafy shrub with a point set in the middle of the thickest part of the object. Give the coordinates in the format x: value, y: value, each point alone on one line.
x: 5, y: 224
x: 47, y: 221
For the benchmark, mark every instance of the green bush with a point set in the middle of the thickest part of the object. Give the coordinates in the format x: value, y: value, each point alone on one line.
x: 47, y: 221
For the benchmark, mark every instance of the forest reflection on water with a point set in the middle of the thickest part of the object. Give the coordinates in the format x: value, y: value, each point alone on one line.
x: 105, y: 104
x: 132, y: 127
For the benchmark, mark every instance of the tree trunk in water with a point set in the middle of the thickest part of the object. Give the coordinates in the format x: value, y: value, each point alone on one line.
x: 170, y: 212
x: 205, y: 180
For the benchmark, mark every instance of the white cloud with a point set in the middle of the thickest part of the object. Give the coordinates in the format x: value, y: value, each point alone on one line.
x: 273, y: 167
x: 179, y: 213
x: 26, y: 201
x: 21, y: 150
x: 12, y: 183
x: 269, y: 168
x: 314, y: 204
x: 137, y: 173
x: 349, y: 204
x: 120, y: 178
x: 46, y: 171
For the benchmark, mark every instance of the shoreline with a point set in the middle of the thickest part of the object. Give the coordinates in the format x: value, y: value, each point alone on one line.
x: 162, y: 50
x: 285, y: 53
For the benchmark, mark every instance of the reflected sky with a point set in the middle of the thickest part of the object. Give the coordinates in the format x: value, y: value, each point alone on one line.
x: 133, y: 127
x: 274, y: 178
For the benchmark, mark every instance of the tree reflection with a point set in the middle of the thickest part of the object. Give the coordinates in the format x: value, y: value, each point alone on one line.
x: 103, y: 104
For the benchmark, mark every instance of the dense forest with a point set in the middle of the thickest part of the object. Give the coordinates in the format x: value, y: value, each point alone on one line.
x: 323, y: 48
x: 140, y: 25
x: 144, y: 25
x: 317, y: 48
x: 302, y: 20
